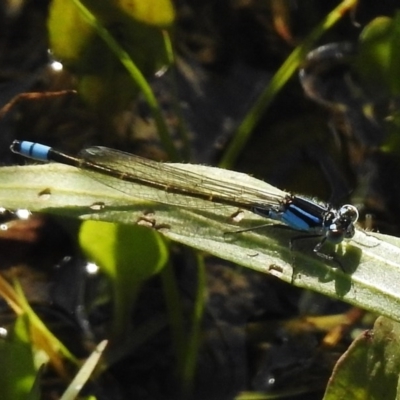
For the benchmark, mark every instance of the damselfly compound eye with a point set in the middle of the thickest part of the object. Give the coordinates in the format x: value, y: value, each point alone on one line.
x: 349, y: 212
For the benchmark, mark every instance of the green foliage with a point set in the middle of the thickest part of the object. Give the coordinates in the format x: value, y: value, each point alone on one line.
x: 370, y: 368
x: 278, y: 81
x: 17, y: 367
x: 378, y: 63
x: 103, y: 81
x: 378, y: 59
x: 88, y: 36
x: 129, y: 255
x: 204, y: 227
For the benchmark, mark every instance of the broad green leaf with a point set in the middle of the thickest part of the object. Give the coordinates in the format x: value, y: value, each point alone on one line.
x: 129, y: 255
x: 35, y: 392
x: 103, y: 81
x: 371, y: 261
x: 370, y: 368
x: 378, y: 59
x: 70, y: 34
x: 133, y: 251
x: 17, y: 370
x: 154, y: 12
x: 135, y: 24
x: 378, y: 63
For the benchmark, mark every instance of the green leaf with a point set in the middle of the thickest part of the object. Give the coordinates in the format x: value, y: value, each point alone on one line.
x: 136, y: 24
x: 17, y: 370
x: 35, y: 392
x: 370, y: 368
x: 378, y: 59
x: 69, y: 34
x: 134, y: 251
x: 129, y: 255
x: 159, y: 13
x: 103, y: 81
x: 371, y: 261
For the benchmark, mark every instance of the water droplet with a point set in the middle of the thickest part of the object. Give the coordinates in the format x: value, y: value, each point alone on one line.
x: 91, y: 268
x: 23, y: 213
x: 56, y: 66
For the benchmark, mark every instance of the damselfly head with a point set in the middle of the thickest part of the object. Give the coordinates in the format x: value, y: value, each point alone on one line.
x: 349, y: 212
x: 341, y: 223
x: 347, y: 217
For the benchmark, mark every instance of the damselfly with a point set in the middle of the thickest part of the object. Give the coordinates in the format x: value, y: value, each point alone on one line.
x: 182, y: 186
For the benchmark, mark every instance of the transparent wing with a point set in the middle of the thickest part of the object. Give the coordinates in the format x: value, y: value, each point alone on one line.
x: 215, y: 184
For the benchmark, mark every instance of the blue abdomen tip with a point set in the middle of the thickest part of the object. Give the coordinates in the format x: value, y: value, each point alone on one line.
x: 34, y: 150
